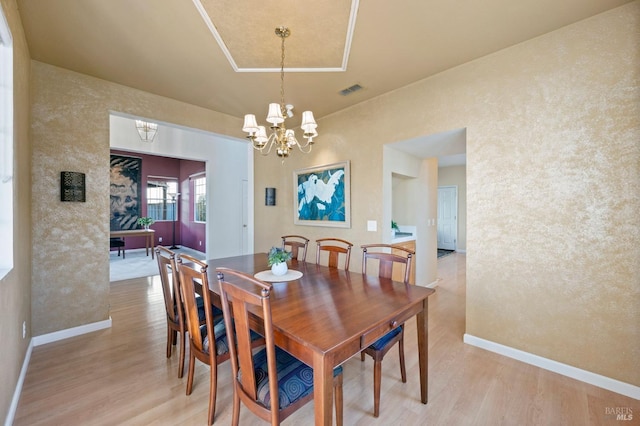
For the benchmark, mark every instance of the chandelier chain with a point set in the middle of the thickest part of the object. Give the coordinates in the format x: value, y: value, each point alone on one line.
x: 282, y: 76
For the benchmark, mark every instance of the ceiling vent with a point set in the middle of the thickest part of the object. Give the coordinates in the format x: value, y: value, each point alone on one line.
x: 350, y: 90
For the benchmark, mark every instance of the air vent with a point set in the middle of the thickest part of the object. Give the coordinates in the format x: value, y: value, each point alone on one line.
x: 350, y: 90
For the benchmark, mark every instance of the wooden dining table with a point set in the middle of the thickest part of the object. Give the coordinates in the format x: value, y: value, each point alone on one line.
x: 328, y: 315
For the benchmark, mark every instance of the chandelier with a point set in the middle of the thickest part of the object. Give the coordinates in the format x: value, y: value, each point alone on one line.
x: 281, y: 138
x: 146, y: 130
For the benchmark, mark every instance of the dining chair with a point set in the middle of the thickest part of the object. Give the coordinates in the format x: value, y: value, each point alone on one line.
x: 334, y: 247
x: 297, y: 244
x: 386, y: 260
x: 194, y: 271
x: 271, y: 383
x: 119, y: 243
x: 174, y: 306
x: 172, y: 302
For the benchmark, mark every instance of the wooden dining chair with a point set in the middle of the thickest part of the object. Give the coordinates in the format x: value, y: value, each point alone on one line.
x: 194, y: 271
x: 271, y: 383
x: 334, y: 247
x: 297, y: 245
x: 174, y: 306
x: 386, y: 260
x: 172, y: 302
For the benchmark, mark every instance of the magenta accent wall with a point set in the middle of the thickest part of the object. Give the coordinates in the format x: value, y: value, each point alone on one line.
x: 187, y: 233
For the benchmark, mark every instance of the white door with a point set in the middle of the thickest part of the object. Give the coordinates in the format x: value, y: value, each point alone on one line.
x: 447, y: 217
x: 245, y: 216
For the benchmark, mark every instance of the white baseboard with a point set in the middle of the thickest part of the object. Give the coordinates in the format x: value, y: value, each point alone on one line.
x: 71, y: 332
x: 41, y: 340
x: 557, y: 367
x: 8, y: 421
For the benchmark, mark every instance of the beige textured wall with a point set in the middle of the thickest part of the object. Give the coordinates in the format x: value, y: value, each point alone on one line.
x: 70, y: 131
x: 15, y: 289
x: 553, y: 126
x: 457, y: 175
x: 553, y: 197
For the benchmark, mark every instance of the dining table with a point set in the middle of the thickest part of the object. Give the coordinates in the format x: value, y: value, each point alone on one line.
x: 327, y: 315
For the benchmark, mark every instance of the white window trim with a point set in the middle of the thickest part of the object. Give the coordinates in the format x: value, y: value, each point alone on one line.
x: 197, y: 177
x: 6, y: 146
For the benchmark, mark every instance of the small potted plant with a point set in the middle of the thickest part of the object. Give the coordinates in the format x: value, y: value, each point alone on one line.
x: 277, y: 259
x: 145, y: 221
x: 394, y: 228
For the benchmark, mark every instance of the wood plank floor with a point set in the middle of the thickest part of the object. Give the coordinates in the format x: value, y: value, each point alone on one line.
x: 121, y: 376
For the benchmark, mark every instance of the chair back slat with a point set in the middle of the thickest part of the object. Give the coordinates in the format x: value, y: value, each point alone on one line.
x: 297, y: 245
x: 386, y: 259
x: 334, y: 247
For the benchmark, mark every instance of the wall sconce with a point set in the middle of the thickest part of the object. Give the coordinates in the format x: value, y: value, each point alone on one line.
x: 269, y: 196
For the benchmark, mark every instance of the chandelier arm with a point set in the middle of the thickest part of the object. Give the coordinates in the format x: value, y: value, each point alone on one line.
x: 302, y: 147
x: 269, y: 145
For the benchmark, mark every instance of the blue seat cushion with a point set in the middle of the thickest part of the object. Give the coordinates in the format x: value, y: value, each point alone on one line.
x: 382, y: 342
x: 295, y: 378
x: 217, y: 312
x: 220, y: 331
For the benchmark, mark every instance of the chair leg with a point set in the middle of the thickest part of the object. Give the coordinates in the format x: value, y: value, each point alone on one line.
x: 169, y: 340
x: 192, y: 367
x: 362, y: 356
x: 213, y: 385
x: 377, y: 378
x: 403, y: 371
x: 337, y: 392
x: 235, y: 420
x: 181, y: 362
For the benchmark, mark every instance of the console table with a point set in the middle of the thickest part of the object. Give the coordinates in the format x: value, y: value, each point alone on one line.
x: 149, y: 235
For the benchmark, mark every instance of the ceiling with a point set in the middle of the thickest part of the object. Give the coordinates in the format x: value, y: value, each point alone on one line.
x: 224, y: 55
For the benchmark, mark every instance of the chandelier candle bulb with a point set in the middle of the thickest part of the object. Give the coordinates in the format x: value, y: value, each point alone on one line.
x: 308, y: 122
x: 275, y: 114
x: 250, y: 124
x: 261, y: 137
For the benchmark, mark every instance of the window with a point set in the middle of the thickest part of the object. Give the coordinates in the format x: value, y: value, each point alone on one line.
x: 200, y: 199
x: 161, y: 198
x: 6, y: 146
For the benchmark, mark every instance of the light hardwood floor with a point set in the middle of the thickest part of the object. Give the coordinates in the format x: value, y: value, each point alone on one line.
x: 121, y: 376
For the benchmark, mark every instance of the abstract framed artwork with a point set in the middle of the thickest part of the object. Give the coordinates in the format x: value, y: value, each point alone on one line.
x: 322, y: 195
x: 125, y: 177
x: 72, y: 186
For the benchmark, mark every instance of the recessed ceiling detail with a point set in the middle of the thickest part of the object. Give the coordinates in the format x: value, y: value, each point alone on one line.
x: 320, y: 42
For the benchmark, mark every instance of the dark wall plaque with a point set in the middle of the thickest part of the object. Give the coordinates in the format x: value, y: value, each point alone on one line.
x: 72, y: 186
x: 269, y: 196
